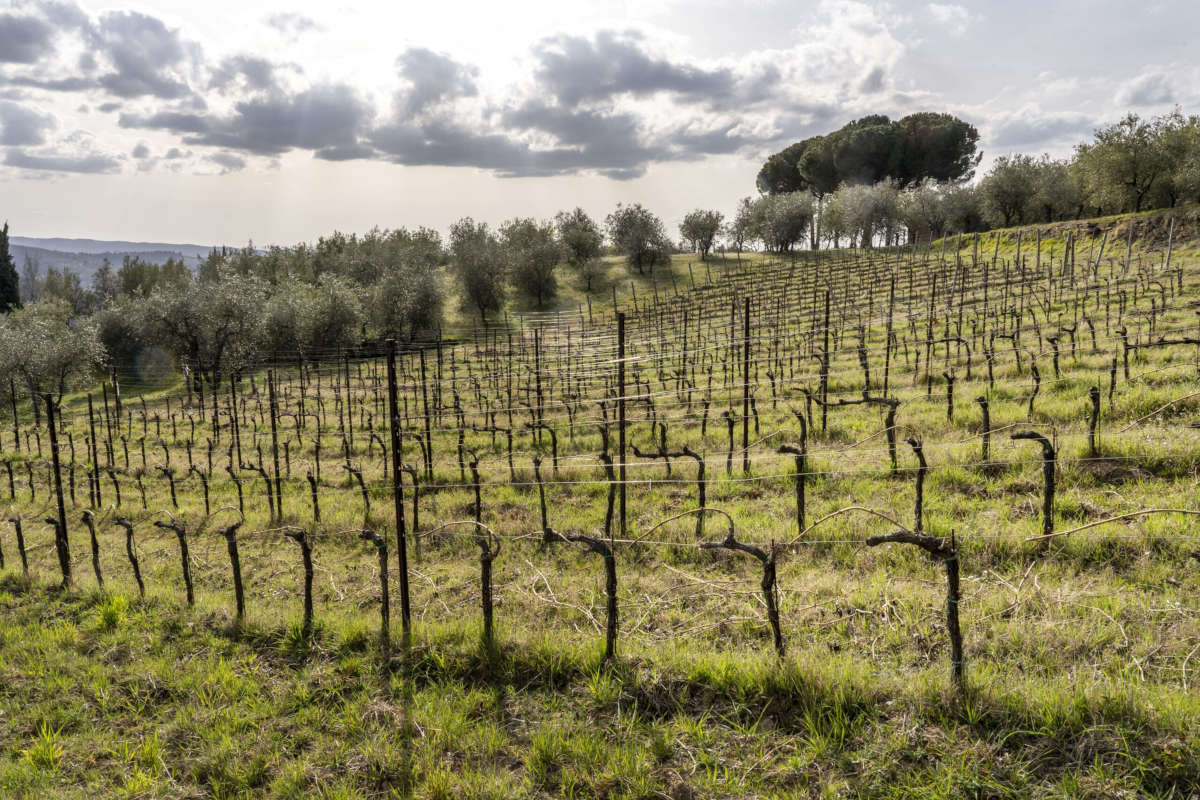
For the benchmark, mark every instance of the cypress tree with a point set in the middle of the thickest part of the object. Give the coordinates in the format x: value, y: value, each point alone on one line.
x: 10, y: 293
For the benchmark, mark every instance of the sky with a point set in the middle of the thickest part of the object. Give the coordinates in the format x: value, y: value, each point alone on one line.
x: 233, y: 121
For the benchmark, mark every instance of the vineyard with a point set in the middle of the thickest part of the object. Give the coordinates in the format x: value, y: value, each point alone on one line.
x: 919, y: 521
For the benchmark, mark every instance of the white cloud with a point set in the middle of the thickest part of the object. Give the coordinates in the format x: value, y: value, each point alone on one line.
x: 954, y: 17
x: 1152, y: 88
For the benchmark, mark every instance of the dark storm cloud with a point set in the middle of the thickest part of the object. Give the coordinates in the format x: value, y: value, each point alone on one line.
x: 433, y: 78
x: 92, y: 163
x: 610, y: 143
x: 173, y: 121
x: 54, y: 84
x: 228, y: 162
x: 20, y: 125
x: 24, y: 39
x: 448, y: 144
x: 577, y: 70
x: 324, y: 116
x: 573, y: 117
x: 148, y: 58
x: 568, y: 124
x: 345, y: 152
x: 607, y: 141
x: 258, y: 73
x: 64, y: 15
x: 720, y: 140
x: 327, y: 115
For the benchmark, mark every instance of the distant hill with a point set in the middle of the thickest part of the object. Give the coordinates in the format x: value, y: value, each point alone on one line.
x: 101, y: 247
x: 85, y: 256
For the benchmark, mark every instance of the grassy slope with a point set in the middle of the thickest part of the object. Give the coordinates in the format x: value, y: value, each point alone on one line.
x: 1082, y: 665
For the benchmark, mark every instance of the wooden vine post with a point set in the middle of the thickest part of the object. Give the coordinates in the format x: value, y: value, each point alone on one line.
x: 621, y: 422
x: 746, y: 388
x: 61, y: 545
x: 397, y: 491
x: 273, y: 408
x: 1094, y: 422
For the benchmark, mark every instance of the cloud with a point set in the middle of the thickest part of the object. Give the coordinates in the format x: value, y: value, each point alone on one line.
x: 141, y: 151
x: 173, y: 121
x: 323, y: 116
x: 1030, y: 127
x: 54, y: 84
x: 147, y: 57
x: 575, y: 69
x: 432, y: 78
x: 256, y: 73
x: 23, y: 39
x: 291, y: 24
x: 228, y: 162
x: 90, y: 163
x: 951, y: 15
x: 21, y: 125
x: 873, y: 83
x: 1148, y: 89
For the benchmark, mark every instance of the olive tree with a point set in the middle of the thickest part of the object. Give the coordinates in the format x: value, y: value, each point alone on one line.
x: 963, y: 208
x: 863, y: 212
x: 479, y: 264
x: 48, y: 350
x: 531, y: 252
x: 1008, y: 189
x: 1058, y: 191
x: 740, y: 228
x: 335, y: 315
x: 582, y: 244
x: 1125, y: 162
x: 781, y: 221
x: 407, y: 304
x: 638, y: 234
x: 700, y: 228
x: 214, y: 325
x: 922, y: 209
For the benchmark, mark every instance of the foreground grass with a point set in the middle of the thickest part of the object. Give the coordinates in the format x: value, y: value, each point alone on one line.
x: 104, y: 697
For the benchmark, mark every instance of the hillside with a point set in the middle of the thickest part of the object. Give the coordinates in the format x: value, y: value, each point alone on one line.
x: 948, y: 549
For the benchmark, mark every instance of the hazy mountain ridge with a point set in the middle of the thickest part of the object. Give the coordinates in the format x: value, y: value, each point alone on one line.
x: 109, y: 247
x: 85, y: 256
